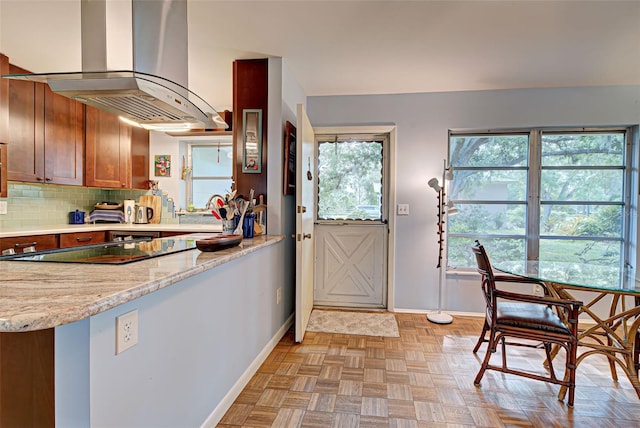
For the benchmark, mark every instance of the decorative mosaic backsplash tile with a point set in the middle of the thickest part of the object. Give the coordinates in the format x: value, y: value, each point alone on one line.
x: 49, y: 204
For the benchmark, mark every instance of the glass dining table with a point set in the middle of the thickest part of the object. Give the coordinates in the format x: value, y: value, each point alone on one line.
x: 610, y: 315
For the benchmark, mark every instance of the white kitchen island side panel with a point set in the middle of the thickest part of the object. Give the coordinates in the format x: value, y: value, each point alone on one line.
x: 196, y: 338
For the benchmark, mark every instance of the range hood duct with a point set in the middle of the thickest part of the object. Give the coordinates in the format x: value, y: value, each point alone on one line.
x: 135, y: 65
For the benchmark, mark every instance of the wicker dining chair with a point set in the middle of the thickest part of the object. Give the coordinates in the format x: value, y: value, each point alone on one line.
x: 527, y: 320
x: 636, y: 348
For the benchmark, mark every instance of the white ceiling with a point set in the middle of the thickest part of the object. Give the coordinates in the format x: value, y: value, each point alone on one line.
x: 371, y: 47
x: 382, y: 47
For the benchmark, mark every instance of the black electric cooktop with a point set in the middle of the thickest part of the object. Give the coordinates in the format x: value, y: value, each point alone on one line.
x: 112, y: 253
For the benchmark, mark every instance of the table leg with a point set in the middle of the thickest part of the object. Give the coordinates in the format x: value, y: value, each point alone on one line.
x: 632, y: 358
x: 624, y: 350
x: 612, y: 311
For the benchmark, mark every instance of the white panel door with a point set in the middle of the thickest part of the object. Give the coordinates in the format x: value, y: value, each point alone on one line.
x: 350, y: 268
x: 351, y: 222
x: 305, y: 209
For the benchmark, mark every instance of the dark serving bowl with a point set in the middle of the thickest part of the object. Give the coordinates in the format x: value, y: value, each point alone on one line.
x: 220, y: 242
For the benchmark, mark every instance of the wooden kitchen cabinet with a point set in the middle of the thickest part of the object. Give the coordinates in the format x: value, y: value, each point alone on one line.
x: 117, y: 154
x: 139, y: 158
x: 45, y: 132
x: 25, y: 132
x: 3, y: 174
x: 169, y: 233
x: 4, y: 99
x: 250, y: 91
x: 39, y: 242
x: 4, y: 124
x: 63, y: 139
x: 81, y: 238
x: 27, y: 379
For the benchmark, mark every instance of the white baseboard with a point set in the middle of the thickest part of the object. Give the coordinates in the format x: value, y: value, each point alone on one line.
x: 237, y: 388
x: 583, y: 321
x: 452, y: 313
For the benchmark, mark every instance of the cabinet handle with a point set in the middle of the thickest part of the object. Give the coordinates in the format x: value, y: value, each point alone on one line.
x: 85, y: 239
x: 123, y: 185
x: 47, y: 179
x: 39, y: 179
x: 27, y: 244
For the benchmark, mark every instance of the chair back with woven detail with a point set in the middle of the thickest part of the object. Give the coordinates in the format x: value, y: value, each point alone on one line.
x: 488, y: 281
x: 524, y: 319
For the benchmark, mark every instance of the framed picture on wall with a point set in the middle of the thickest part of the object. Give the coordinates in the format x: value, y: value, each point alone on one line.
x: 252, y: 141
x: 289, y: 159
x: 162, y: 165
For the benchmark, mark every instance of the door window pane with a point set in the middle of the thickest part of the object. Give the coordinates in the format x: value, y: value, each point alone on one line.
x: 350, y: 180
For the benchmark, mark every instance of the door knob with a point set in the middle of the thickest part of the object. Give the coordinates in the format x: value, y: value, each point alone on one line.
x: 306, y: 236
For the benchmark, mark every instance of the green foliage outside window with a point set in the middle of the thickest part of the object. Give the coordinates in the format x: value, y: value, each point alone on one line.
x: 580, y: 187
x: 350, y: 180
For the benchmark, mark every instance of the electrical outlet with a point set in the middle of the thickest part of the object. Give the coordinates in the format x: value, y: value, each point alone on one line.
x: 403, y: 209
x: 278, y: 295
x: 3, y: 207
x: 538, y: 290
x: 126, y: 331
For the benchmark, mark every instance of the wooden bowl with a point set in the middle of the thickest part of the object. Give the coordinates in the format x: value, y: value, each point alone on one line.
x: 220, y: 242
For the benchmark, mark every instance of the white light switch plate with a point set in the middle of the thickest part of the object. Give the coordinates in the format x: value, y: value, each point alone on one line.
x: 403, y: 209
x: 3, y: 207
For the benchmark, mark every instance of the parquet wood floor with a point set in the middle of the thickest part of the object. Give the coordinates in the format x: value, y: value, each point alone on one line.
x: 424, y: 378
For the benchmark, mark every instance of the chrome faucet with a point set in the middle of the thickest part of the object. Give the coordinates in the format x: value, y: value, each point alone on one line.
x: 209, y: 204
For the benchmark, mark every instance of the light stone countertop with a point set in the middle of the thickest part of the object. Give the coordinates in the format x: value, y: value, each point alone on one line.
x: 72, y: 228
x: 41, y: 295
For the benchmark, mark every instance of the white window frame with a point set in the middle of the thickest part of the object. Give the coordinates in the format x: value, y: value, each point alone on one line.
x: 190, y: 178
x: 532, y: 234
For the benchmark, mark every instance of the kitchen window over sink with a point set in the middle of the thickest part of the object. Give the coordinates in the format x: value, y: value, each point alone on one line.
x: 211, y: 171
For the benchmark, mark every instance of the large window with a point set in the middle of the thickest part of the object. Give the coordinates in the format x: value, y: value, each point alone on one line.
x: 540, y: 194
x: 211, y: 171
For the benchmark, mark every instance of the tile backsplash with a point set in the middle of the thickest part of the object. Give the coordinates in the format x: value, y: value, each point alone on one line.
x: 36, y: 205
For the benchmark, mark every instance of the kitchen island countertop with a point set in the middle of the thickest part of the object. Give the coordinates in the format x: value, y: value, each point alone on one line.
x: 41, y: 295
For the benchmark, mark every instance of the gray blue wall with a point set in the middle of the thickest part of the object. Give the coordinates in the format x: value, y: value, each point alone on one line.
x: 423, y: 121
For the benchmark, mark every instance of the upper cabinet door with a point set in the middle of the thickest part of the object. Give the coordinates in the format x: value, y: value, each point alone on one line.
x: 3, y: 174
x: 63, y: 139
x: 4, y: 99
x: 45, y: 131
x: 117, y: 154
x: 26, y: 130
x: 4, y: 124
x: 139, y: 158
x: 107, y: 150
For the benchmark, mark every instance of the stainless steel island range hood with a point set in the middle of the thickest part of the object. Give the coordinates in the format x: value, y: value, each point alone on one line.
x: 135, y: 65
